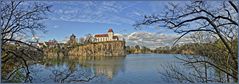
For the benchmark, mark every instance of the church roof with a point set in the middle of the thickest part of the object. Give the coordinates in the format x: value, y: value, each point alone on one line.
x: 106, y: 35
x: 110, y: 30
x: 41, y: 43
x: 50, y: 43
x: 101, y: 35
x: 72, y: 35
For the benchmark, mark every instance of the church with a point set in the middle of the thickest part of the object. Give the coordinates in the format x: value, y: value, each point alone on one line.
x: 106, y: 37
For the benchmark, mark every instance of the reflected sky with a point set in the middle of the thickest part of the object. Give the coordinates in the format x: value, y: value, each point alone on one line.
x: 140, y: 68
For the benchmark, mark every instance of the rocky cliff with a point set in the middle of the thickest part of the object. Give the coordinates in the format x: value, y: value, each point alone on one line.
x: 111, y: 48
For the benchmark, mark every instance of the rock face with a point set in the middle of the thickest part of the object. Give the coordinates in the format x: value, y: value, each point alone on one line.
x: 111, y: 48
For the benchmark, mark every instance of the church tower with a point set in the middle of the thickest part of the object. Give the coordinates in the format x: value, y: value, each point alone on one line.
x: 72, y: 37
x: 72, y: 40
x: 110, y: 34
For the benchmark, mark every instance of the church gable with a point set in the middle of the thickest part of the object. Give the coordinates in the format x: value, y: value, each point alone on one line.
x: 106, y: 37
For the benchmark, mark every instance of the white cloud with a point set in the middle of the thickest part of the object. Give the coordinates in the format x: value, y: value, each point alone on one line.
x: 153, y: 40
x: 99, y: 12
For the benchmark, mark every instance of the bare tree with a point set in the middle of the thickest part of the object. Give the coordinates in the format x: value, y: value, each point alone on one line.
x: 69, y: 76
x: 20, y: 18
x: 82, y: 40
x: 218, y: 18
x: 88, y: 38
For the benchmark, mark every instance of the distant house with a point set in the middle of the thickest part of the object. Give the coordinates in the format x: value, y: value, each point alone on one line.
x: 40, y: 45
x: 50, y: 43
x: 106, y: 37
x: 35, y: 44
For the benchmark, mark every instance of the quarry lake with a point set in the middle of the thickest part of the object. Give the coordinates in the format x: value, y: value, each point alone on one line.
x: 131, y: 69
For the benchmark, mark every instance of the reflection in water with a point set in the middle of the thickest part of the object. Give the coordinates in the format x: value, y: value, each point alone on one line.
x: 131, y: 69
x: 83, y: 69
x: 107, y: 66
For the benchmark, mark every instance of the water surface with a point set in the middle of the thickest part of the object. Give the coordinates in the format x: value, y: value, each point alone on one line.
x: 131, y: 69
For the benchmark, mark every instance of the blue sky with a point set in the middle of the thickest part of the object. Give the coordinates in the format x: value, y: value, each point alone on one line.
x: 84, y: 17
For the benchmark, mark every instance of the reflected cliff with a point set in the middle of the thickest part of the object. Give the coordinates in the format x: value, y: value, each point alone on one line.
x: 83, y: 68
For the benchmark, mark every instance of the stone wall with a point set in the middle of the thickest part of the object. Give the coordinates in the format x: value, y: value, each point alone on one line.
x: 111, y: 48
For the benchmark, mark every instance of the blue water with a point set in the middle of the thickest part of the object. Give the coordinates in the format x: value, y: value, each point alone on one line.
x: 132, y: 69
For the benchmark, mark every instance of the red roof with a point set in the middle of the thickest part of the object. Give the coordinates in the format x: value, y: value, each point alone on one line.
x: 50, y: 43
x: 41, y: 43
x: 110, y: 30
x: 106, y: 35
x: 101, y: 35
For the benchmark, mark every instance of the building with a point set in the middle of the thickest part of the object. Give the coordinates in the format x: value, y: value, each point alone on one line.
x: 72, y: 41
x: 106, y: 37
x: 50, y: 44
x: 72, y: 37
x: 40, y: 45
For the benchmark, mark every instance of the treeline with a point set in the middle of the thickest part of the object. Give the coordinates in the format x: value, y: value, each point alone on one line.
x: 191, y: 49
x: 178, y: 49
x: 195, y: 48
x: 137, y: 49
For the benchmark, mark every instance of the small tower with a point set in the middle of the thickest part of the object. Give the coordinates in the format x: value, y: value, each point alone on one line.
x: 72, y: 40
x: 110, y: 34
x: 73, y: 37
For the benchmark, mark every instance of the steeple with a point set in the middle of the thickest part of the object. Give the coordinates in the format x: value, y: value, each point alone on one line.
x: 110, y: 30
x: 72, y: 36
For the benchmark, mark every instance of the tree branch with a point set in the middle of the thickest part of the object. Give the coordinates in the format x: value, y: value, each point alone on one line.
x: 234, y: 6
